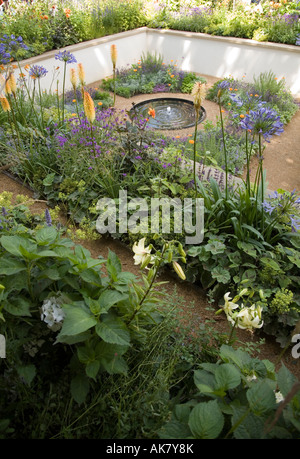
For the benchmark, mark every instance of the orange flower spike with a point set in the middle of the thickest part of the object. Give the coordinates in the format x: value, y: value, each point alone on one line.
x: 151, y: 112
x: 81, y: 74
x: 13, y: 83
x: 73, y: 78
x: 113, y: 54
x: 7, y: 87
x: 89, y: 107
x: 5, y: 104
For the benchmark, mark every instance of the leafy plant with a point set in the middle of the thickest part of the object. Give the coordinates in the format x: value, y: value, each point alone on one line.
x: 237, y: 397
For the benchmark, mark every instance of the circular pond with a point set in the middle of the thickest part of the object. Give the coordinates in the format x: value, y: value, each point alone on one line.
x: 170, y: 113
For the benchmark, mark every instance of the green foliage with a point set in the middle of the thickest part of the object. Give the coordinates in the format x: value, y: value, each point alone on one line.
x: 102, y: 316
x: 238, y: 397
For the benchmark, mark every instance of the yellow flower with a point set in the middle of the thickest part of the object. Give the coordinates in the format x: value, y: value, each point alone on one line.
x: 113, y: 53
x: 100, y: 103
x: 89, y: 107
x: 191, y: 141
x: 5, y: 104
x: 198, y: 92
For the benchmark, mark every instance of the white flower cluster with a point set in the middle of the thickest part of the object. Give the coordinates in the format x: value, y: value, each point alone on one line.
x: 52, y: 313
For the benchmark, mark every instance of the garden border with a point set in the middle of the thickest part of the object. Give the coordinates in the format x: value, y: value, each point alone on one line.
x: 196, y: 52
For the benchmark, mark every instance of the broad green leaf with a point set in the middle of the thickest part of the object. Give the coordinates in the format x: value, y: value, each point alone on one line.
x: 206, y: 420
x: 113, y: 265
x: 175, y: 430
x: 108, y: 351
x: 12, y: 244
x: 77, y: 320
x: 73, y: 339
x: 246, y: 425
x: 249, y: 274
x: 80, y: 388
x: 117, y: 365
x: 215, y: 247
x: 27, y: 372
x: 221, y: 275
x: 46, y: 236
x: 285, y: 380
x: 10, y: 266
x: 91, y: 277
x: 240, y: 358
x: 270, y: 263
x: 247, y: 248
x: 113, y: 331
x: 18, y: 307
x: 227, y: 376
x: 261, y: 397
x: 92, y: 369
x: 110, y: 297
x: 48, y: 180
x: 204, y: 381
x: 295, y: 260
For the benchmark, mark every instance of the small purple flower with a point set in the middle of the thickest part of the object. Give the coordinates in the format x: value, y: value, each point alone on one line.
x: 48, y: 218
x: 66, y: 56
x: 295, y: 223
x: 224, y: 84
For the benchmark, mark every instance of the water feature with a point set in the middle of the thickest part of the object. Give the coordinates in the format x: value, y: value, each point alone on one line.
x: 170, y: 113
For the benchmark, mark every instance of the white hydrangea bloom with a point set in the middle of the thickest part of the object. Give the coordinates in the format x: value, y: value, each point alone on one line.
x: 52, y: 313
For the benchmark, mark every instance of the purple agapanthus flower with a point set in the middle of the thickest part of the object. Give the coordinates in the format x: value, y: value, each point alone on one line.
x: 224, y: 84
x: 262, y: 121
x: 295, y: 223
x: 66, y: 56
x: 37, y: 71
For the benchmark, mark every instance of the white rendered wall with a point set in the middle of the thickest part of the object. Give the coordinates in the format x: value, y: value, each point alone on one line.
x: 224, y: 56
x: 200, y: 53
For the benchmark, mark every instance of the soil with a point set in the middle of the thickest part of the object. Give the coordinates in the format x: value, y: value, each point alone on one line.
x: 282, y: 163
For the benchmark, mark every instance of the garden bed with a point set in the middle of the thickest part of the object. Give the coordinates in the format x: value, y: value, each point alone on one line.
x: 108, y: 323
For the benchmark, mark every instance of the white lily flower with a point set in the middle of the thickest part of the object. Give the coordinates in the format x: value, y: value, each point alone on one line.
x: 141, y: 252
x: 229, y: 306
x: 249, y: 318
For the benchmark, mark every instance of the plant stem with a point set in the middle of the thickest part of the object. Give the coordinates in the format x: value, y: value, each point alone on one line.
x: 42, y: 115
x: 225, y: 152
x: 63, y: 94
x: 195, y: 152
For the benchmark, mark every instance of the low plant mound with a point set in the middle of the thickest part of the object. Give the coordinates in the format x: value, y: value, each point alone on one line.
x: 151, y: 75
